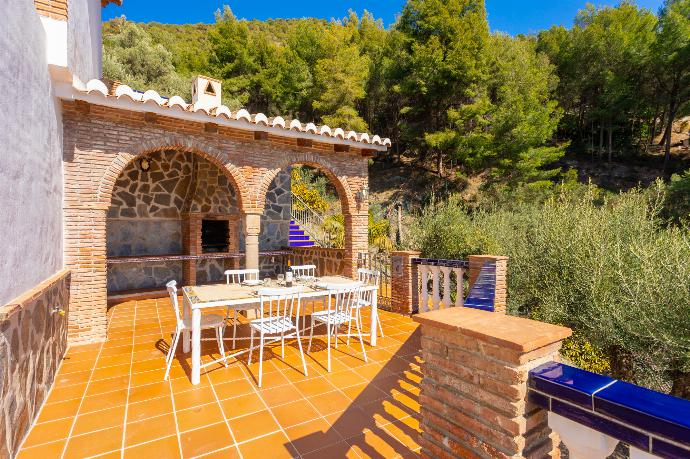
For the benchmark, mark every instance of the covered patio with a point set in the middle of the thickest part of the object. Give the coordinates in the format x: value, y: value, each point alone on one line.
x: 110, y: 400
x: 148, y: 179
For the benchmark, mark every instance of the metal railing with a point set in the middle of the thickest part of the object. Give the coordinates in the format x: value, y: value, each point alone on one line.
x: 310, y: 221
x: 380, y: 261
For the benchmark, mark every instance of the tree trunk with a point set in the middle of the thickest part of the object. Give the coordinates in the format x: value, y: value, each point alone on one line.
x: 621, y: 364
x: 601, y: 140
x: 672, y: 107
x: 610, y: 141
x: 439, y: 163
x: 681, y: 385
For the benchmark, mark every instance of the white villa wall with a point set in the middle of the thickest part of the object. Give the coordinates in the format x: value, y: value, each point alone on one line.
x: 31, y: 150
x: 84, y: 38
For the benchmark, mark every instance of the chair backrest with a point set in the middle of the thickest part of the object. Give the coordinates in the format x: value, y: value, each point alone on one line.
x: 237, y: 276
x: 276, y: 303
x: 368, y: 277
x: 344, y: 296
x: 172, y: 291
x: 304, y: 270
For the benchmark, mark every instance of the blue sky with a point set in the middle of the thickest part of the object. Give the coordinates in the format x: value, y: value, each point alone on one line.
x: 511, y: 16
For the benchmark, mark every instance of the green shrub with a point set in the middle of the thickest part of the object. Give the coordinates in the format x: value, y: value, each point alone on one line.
x: 606, y: 266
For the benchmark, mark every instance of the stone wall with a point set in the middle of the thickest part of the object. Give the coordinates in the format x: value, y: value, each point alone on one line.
x: 33, y: 340
x: 145, y: 216
x: 275, y: 221
x: 31, y: 188
x: 328, y: 261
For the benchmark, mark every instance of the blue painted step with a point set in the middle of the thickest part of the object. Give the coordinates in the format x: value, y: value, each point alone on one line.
x: 298, y: 238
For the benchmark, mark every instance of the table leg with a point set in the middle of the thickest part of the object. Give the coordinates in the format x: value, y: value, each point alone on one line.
x: 185, y: 333
x: 196, y: 346
x: 374, y: 317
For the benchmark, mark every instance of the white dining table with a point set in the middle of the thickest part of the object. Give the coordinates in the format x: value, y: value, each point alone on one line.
x: 245, y: 298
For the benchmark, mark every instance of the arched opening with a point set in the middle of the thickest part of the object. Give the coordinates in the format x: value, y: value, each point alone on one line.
x: 164, y: 206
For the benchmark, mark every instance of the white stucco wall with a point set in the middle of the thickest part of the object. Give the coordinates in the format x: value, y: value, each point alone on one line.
x: 84, y: 38
x: 30, y: 155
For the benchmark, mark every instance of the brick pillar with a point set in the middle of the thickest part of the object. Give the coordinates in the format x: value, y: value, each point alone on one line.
x: 252, y: 229
x: 191, y: 243
x: 356, y: 240
x: 473, y: 394
x: 403, y: 286
x: 501, y: 295
x: 85, y: 256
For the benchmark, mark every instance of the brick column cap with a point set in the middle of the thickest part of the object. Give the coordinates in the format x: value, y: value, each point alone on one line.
x: 517, y: 333
x: 488, y: 257
x: 405, y: 253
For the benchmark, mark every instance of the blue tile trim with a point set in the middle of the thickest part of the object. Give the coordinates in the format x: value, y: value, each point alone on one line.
x: 632, y: 414
x: 660, y: 414
x: 441, y: 262
x: 667, y: 450
x: 568, y: 383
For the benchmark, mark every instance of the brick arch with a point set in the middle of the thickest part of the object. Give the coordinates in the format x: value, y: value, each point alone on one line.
x: 208, y: 152
x: 345, y: 194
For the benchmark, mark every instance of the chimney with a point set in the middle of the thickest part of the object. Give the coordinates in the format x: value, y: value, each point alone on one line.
x: 206, y: 92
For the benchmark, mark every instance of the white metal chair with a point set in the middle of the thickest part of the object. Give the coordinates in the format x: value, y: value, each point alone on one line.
x: 207, y: 321
x: 367, y: 277
x: 237, y: 276
x: 339, y: 312
x: 304, y: 271
x: 277, y: 307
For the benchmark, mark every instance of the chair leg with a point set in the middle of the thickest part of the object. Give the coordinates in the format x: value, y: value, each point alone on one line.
x: 234, y: 329
x: 251, y: 347
x: 349, y: 328
x: 261, y: 357
x: 311, y: 334
x: 328, y: 340
x: 220, y: 334
x: 378, y: 321
x: 171, y: 355
x: 282, y: 345
x: 361, y: 341
x: 301, y: 353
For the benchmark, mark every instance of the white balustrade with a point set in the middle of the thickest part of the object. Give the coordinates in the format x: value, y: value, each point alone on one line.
x: 441, y: 293
x: 581, y: 441
x: 639, y: 454
x: 459, y: 286
x: 424, y: 294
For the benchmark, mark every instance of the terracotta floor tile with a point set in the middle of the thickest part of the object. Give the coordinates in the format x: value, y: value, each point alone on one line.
x: 192, y: 398
x: 280, y: 395
x: 48, y: 432
x: 53, y: 411
x: 167, y: 448
x: 340, y: 450
x: 94, y: 443
x: 312, y: 435
x: 112, y: 417
x: 405, y: 434
x: 112, y: 360
x: 330, y: 403
x: 149, y: 391
x: 205, y: 440
x: 372, y: 370
x: 107, y: 385
x: 233, y: 388
x: 294, y: 413
x: 346, y: 378
x: 66, y: 392
x: 148, y: 365
x: 253, y: 425
x: 199, y: 416
x: 242, y: 405
x: 147, y: 377
x: 149, y: 408
x: 350, y: 422
x: 150, y: 429
x: 314, y: 386
x: 232, y: 372
x: 226, y: 453
x: 72, y: 367
x: 48, y: 450
x: 184, y: 384
x: 378, y: 443
x: 72, y: 378
x: 361, y: 394
x: 103, y: 401
x: 110, y: 372
x: 274, y: 446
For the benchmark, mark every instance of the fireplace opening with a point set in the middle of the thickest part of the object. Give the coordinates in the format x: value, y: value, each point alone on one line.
x: 215, y: 235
